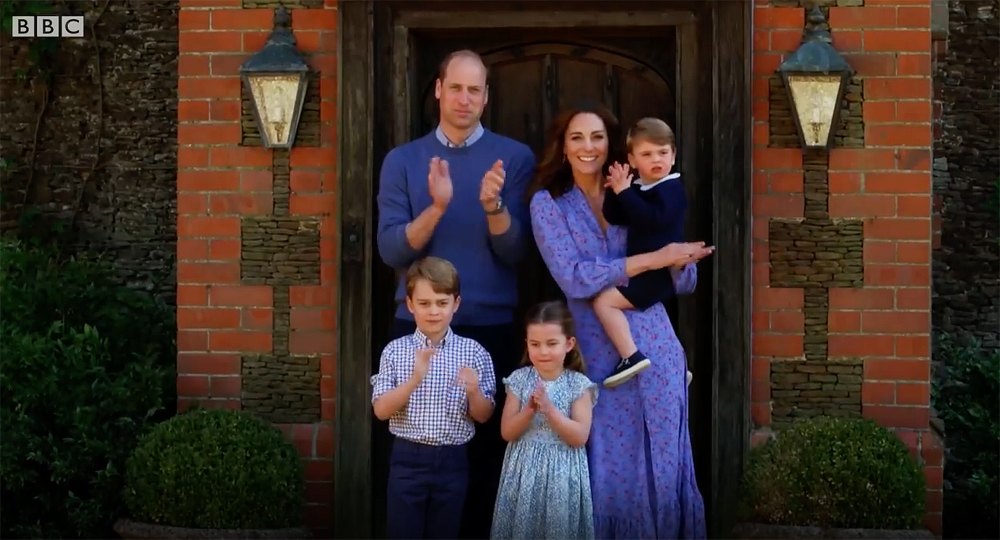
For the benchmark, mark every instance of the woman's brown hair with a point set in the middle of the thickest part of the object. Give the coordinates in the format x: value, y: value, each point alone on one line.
x: 556, y: 312
x: 553, y: 173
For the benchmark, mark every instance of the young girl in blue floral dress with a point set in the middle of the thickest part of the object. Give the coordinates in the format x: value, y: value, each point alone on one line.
x: 545, y: 483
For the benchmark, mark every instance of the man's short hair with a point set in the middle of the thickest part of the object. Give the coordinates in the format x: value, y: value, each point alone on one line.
x: 651, y: 130
x: 440, y: 273
x: 464, y: 53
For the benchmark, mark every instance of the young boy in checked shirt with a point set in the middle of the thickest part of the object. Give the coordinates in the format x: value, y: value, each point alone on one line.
x: 431, y: 386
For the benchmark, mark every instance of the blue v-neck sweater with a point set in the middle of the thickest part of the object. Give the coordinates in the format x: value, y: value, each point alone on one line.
x: 486, y: 264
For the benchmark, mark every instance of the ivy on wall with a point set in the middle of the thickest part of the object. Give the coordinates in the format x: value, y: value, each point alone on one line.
x: 40, y: 70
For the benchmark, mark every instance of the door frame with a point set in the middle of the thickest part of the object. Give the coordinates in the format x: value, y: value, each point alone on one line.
x: 724, y: 32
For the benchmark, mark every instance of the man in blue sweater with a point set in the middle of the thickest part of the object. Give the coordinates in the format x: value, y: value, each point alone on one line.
x: 458, y: 193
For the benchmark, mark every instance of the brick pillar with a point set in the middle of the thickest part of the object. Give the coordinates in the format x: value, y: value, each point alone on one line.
x: 879, y: 173
x: 256, y: 246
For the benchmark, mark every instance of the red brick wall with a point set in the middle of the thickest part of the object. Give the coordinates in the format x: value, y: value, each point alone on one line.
x: 219, y: 182
x: 888, y: 185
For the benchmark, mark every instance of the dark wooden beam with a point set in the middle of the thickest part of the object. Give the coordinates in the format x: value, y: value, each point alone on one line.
x: 544, y: 19
x: 731, y: 308
x: 352, y: 457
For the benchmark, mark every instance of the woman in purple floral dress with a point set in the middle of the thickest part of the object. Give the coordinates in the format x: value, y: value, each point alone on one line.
x: 641, y: 468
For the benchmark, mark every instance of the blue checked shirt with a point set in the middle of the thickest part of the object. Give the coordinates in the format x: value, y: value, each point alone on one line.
x: 438, y: 410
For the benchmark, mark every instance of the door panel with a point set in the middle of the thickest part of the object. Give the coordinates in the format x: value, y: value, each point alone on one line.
x: 531, y: 81
x: 519, y: 119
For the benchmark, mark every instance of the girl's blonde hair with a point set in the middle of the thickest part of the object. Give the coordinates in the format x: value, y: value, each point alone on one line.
x: 556, y: 312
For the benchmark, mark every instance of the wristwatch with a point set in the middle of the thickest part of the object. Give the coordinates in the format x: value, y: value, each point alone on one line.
x: 496, y: 210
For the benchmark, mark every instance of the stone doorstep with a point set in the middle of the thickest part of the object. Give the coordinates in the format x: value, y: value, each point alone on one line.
x: 761, y: 530
x: 135, y: 530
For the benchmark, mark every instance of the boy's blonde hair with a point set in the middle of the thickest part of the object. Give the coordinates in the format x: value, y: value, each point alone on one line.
x: 440, y: 273
x: 651, y: 130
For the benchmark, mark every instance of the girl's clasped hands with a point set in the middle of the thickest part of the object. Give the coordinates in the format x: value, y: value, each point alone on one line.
x: 539, y: 401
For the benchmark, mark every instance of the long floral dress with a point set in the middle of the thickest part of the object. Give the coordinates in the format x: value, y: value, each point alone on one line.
x: 641, y: 468
x: 545, y: 484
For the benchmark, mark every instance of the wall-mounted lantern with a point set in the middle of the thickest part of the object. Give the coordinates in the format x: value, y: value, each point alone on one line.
x: 815, y: 76
x: 277, y: 77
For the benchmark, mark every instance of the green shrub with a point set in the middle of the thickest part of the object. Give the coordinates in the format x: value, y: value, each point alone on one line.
x: 966, y: 397
x: 216, y: 469
x: 86, y: 365
x: 40, y: 287
x: 834, y: 472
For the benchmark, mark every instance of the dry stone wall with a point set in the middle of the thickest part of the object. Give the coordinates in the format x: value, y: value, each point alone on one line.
x: 967, y: 173
x: 281, y: 251
x: 97, y: 146
x: 816, y: 253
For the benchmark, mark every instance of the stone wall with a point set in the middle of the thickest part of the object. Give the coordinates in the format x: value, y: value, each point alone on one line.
x: 967, y: 171
x: 816, y: 254
x: 97, y: 146
x: 281, y: 251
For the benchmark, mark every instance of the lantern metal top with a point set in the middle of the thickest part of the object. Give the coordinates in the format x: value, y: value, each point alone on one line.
x: 816, y: 53
x: 279, y: 54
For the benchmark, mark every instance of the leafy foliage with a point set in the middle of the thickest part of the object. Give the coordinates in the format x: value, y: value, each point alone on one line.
x: 834, y: 472
x: 86, y: 368
x: 966, y: 398
x: 216, y: 469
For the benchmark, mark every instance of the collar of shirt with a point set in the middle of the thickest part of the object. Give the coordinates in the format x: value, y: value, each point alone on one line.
x: 651, y: 185
x: 420, y: 340
x: 469, y: 141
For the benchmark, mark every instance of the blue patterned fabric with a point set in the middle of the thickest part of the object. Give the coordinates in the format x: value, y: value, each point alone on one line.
x: 545, y: 484
x: 641, y: 465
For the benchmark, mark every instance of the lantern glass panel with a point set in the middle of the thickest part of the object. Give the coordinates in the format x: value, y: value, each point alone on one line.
x: 815, y: 98
x: 275, y: 96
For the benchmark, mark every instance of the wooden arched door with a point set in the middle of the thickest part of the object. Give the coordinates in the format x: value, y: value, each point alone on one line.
x: 630, y: 71
x: 684, y: 62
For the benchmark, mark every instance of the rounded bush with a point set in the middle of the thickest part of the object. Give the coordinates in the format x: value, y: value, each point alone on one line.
x: 834, y: 472
x: 215, y: 469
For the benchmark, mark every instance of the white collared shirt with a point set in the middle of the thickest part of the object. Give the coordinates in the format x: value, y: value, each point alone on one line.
x: 651, y: 185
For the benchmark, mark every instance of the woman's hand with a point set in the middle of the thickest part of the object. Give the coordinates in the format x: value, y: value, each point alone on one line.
x: 679, y: 254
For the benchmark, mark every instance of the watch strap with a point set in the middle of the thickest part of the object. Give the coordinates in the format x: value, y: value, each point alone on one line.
x: 496, y: 210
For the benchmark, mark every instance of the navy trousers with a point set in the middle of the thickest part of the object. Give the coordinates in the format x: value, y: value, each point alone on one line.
x: 426, y: 492
x: 486, y: 450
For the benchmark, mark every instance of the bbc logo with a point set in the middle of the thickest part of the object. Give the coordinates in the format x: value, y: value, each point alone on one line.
x: 65, y: 26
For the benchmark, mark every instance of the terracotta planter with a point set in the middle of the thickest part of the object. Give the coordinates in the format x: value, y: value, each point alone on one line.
x: 129, y: 529
x: 762, y: 531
